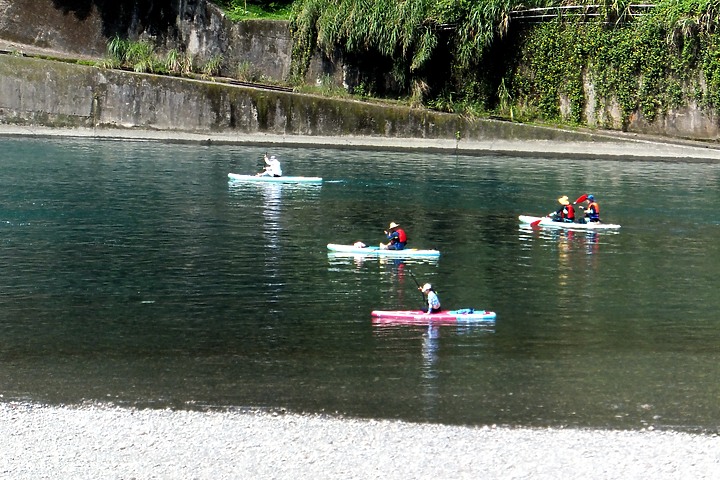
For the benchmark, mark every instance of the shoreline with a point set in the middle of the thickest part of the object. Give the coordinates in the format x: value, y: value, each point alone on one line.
x: 595, y: 145
x: 100, y: 441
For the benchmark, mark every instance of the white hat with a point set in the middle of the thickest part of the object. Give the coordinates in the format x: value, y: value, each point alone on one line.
x: 393, y: 225
x: 426, y: 287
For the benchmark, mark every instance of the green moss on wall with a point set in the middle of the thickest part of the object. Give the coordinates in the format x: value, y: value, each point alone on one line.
x: 642, y: 65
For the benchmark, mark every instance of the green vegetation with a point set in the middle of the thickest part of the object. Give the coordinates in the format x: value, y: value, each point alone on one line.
x: 140, y: 56
x: 405, y: 34
x: 468, y: 56
x: 256, y: 9
x: 648, y: 65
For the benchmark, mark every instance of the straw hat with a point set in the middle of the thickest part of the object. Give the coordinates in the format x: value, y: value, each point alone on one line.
x: 564, y: 200
x: 393, y: 225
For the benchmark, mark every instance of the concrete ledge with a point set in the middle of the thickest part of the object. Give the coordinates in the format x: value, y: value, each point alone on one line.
x: 594, y: 146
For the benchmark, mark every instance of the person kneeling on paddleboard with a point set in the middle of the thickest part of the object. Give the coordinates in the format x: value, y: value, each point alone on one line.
x: 433, y: 301
x: 566, y: 212
x: 592, y: 211
x: 396, y: 236
x: 273, y: 168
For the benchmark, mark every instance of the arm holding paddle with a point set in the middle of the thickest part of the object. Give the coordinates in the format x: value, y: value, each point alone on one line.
x: 272, y: 167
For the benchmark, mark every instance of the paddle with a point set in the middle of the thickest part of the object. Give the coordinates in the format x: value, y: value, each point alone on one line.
x: 581, y: 198
x: 537, y: 222
x: 264, y: 166
x: 418, y: 285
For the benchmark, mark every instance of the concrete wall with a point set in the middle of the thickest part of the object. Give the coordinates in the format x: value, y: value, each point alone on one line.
x: 82, y: 28
x: 57, y: 94
x: 690, y: 121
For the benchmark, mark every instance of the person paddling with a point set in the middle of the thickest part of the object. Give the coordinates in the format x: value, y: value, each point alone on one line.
x: 272, y: 169
x: 396, y: 236
x: 592, y: 211
x: 566, y: 212
x: 433, y: 302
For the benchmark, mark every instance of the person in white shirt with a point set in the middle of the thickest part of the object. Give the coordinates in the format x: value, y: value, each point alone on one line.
x: 433, y: 302
x: 272, y: 169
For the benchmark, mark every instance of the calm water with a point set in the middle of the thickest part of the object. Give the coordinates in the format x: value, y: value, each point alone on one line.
x: 134, y: 273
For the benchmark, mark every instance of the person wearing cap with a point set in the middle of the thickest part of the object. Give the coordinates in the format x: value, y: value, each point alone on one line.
x: 397, y: 239
x: 566, y: 212
x: 272, y: 169
x: 433, y: 302
x: 592, y: 211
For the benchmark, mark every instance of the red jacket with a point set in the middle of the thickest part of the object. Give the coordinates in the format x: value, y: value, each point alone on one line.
x: 568, y: 212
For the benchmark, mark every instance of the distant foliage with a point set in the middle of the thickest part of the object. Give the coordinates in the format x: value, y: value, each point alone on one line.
x: 646, y: 63
x: 255, y: 9
x: 409, y: 34
x: 651, y: 64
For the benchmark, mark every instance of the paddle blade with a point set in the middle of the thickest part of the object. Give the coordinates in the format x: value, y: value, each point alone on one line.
x: 581, y: 198
x: 535, y: 223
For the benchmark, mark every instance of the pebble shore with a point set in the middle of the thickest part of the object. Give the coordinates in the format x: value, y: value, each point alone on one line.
x: 98, y: 441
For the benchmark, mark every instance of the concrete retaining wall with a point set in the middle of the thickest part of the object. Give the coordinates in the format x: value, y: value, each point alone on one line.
x: 83, y: 29
x: 56, y: 94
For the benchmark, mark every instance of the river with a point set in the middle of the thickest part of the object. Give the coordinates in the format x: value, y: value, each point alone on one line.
x: 134, y: 273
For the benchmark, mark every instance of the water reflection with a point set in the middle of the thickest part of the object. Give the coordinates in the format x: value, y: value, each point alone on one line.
x: 565, y: 241
x: 399, y: 335
x: 269, y: 207
x: 339, y: 260
x: 272, y: 205
x: 430, y: 347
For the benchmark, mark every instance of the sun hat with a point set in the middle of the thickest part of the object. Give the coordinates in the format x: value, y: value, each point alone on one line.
x: 426, y: 287
x: 393, y: 225
x: 564, y: 200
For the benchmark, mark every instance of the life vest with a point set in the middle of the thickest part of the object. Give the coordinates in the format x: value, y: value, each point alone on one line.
x: 568, y: 212
x: 402, y: 237
x: 593, y: 211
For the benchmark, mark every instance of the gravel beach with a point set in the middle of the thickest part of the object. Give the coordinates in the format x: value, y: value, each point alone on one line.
x: 91, y: 442
x: 103, y: 441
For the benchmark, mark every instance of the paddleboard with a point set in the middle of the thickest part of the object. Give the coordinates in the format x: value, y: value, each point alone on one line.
x: 267, y: 179
x: 547, y: 222
x: 336, y: 248
x: 444, y: 317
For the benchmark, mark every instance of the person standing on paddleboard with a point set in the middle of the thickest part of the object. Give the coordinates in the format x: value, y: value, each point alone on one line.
x: 592, y: 211
x: 273, y: 168
x: 396, y: 236
x: 566, y: 212
x: 433, y: 302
